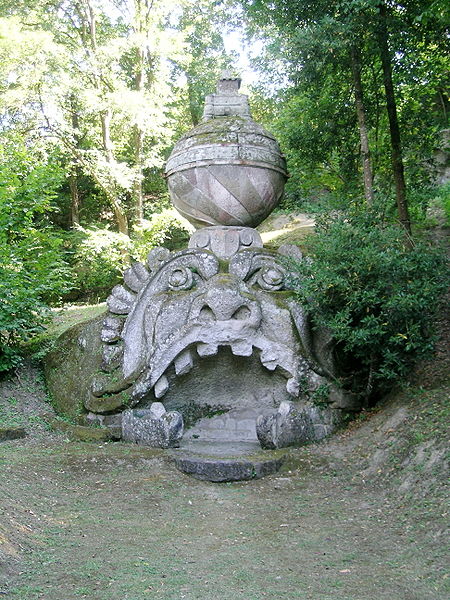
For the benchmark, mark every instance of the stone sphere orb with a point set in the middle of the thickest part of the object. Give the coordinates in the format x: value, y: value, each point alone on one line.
x: 226, y: 171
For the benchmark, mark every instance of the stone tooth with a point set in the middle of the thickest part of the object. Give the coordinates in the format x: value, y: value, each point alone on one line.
x: 112, y: 357
x: 120, y: 301
x: 111, y: 330
x: 269, y: 359
x: 136, y: 276
x: 207, y: 349
x: 271, y: 365
x: 241, y: 348
x: 293, y: 387
x: 161, y: 386
x: 184, y: 363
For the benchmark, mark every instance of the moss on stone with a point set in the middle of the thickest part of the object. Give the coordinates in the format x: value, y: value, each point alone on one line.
x: 82, y: 433
x: 70, y: 366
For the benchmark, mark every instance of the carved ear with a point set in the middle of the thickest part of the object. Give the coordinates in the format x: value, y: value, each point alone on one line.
x: 122, y: 301
x: 317, y: 344
x: 134, y: 355
x: 259, y: 267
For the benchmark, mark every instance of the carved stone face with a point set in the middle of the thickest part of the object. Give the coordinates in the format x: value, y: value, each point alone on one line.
x: 191, y: 307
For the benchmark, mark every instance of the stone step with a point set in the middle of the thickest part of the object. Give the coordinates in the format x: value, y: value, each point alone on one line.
x: 235, y: 425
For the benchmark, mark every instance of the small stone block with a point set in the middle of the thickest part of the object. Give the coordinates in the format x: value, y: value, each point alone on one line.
x: 161, y: 386
x: 184, y: 363
x: 11, y: 433
x: 157, y: 410
x: 222, y: 470
x: 142, y: 427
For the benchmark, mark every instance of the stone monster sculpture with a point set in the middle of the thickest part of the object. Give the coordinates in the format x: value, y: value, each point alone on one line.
x: 213, y: 330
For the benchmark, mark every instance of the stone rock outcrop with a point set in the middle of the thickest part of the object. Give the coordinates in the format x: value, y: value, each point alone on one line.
x: 71, y: 365
x: 153, y: 427
x: 295, y: 425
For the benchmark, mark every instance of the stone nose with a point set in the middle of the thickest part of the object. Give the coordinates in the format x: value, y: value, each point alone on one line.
x: 224, y: 305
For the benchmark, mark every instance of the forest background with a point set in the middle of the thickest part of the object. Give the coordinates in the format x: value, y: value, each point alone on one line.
x: 94, y: 93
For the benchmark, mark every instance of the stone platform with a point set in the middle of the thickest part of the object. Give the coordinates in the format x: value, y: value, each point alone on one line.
x: 226, y: 461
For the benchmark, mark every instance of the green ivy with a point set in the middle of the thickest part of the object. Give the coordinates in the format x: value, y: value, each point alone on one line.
x: 166, y: 229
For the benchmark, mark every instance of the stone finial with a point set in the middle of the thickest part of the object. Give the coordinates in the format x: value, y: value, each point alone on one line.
x: 228, y: 83
x: 227, y: 101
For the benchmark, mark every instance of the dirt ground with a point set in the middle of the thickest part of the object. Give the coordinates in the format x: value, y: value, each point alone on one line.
x: 360, y: 516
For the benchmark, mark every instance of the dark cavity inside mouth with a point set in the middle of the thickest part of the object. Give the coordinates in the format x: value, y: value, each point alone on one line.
x: 222, y: 383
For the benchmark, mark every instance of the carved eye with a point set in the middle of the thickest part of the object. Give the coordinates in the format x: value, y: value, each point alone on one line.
x: 270, y: 279
x: 180, y: 279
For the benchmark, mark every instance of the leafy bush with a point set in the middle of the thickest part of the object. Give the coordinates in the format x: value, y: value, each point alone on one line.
x: 32, y: 271
x: 166, y: 229
x: 100, y: 257
x: 438, y: 207
x: 374, y: 294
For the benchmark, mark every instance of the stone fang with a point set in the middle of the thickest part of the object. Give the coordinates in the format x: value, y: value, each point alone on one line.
x: 161, y: 386
x: 184, y: 363
x: 207, y: 349
x: 242, y: 348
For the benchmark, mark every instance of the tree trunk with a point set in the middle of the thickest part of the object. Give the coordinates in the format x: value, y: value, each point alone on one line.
x: 105, y: 120
x: 138, y: 195
x: 193, y: 110
x: 73, y: 177
x: 75, y: 199
x: 355, y: 55
x: 396, y: 147
x: 121, y: 217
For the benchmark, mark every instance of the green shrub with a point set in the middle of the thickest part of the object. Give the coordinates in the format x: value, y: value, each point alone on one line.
x: 32, y: 271
x: 438, y: 207
x: 100, y: 257
x: 374, y: 294
x: 166, y: 229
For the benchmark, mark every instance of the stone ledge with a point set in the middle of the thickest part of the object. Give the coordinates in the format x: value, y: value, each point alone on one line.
x: 82, y: 433
x: 220, y: 470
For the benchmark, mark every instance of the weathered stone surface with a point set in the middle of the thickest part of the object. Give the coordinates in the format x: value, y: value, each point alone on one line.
x: 224, y: 242
x: 153, y: 427
x: 236, y: 425
x: 11, y: 433
x: 228, y: 170
x: 204, y: 332
x: 220, y: 470
x: 214, y: 305
x: 70, y: 366
x: 227, y: 101
x: 296, y: 425
x: 111, y: 422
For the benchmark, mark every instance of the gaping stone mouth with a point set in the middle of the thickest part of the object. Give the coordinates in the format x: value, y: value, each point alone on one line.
x: 197, y: 345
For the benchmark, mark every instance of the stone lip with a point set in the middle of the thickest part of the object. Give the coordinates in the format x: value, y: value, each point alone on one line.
x: 224, y: 462
x: 230, y: 140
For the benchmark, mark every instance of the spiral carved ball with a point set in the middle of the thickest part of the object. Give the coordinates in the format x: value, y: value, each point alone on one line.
x: 226, y: 171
